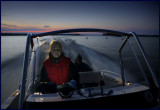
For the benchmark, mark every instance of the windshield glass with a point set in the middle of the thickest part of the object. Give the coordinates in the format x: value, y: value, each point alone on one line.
x: 99, y: 52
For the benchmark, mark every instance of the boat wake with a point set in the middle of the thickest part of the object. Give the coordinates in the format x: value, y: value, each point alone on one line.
x: 93, y: 58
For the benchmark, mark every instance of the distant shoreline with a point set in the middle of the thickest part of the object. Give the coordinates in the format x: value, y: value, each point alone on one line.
x: 148, y: 35
x: 25, y: 34
x: 13, y: 34
x: 137, y: 35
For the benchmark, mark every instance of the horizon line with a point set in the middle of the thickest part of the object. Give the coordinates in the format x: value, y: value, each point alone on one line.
x: 26, y: 32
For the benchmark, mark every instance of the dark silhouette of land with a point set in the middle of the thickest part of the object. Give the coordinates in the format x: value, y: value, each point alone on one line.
x: 13, y: 34
x: 139, y: 35
x: 105, y: 34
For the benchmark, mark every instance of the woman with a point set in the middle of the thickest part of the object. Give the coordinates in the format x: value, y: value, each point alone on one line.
x: 57, y: 68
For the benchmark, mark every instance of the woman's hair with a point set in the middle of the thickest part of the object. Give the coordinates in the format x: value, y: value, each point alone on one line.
x: 55, y: 43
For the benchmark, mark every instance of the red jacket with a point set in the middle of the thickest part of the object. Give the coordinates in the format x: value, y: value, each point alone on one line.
x: 58, y: 72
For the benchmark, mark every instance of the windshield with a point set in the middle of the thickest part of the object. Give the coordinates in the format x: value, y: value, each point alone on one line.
x: 99, y: 52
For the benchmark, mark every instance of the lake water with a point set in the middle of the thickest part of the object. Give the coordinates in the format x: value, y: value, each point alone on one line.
x: 98, y: 52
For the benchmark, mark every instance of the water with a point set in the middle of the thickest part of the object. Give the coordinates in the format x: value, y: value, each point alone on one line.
x: 12, y: 47
x: 95, y: 51
x: 12, y: 54
x: 102, y: 53
x: 98, y: 52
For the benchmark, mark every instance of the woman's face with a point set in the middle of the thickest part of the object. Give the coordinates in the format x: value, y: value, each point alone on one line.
x: 56, y: 51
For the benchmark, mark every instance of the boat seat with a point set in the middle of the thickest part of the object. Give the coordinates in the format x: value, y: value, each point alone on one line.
x: 89, y: 79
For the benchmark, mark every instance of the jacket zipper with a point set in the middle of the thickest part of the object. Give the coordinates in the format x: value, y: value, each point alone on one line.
x: 57, y: 65
x: 62, y: 72
x: 58, y: 74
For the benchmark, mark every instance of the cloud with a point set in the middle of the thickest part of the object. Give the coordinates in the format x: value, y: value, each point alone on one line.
x: 23, y: 29
x: 47, y: 26
x: 9, y: 28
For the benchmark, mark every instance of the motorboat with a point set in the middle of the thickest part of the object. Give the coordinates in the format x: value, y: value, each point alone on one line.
x: 100, y: 88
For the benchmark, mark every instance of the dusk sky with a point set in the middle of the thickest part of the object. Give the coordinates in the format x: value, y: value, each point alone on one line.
x: 141, y: 17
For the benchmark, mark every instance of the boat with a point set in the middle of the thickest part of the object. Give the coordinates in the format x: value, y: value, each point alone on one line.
x: 99, y: 89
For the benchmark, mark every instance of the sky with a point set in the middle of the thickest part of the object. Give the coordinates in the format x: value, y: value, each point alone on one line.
x: 141, y: 17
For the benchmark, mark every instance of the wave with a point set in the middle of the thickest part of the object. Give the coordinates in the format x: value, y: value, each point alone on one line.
x: 96, y: 60
x: 17, y: 58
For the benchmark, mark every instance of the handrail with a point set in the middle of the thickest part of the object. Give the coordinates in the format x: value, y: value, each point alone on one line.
x: 122, y: 70
x: 123, y: 44
x: 117, y: 33
x: 81, y: 30
x: 24, y: 75
x: 138, y: 62
x: 121, y: 61
x: 144, y: 55
x: 146, y: 59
